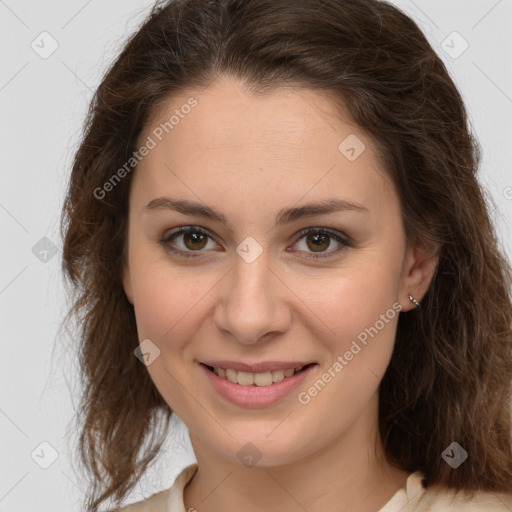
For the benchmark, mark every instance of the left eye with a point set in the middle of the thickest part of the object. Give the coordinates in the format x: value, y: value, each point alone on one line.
x: 194, y: 239
x: 320, y: 238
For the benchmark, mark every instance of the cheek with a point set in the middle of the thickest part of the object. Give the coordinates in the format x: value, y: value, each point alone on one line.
x: 361, y: 313
x: 355, y: 318
x: 167, y: 308
x: 346, y: 302
x: 166, y: 303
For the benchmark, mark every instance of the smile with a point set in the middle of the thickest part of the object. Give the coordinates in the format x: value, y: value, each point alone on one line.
x: 256, y: 379
x: 247, y: 389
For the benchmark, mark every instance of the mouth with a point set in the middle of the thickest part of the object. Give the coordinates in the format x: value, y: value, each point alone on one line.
x: 249, y: 390
x: 261, y: 379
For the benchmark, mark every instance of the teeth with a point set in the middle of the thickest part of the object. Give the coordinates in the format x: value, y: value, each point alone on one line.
x: 259, y: 379
x: 231, y: 375
x: 277, y: 375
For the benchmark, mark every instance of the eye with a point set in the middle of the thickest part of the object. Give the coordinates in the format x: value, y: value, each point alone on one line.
x: 195, y: 239
x: 319, y: 239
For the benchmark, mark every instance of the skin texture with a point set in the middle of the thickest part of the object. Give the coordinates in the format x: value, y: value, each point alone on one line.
x: 249, y: 157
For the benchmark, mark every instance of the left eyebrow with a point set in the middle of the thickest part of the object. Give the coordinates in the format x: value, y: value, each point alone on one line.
x: 284, y: 216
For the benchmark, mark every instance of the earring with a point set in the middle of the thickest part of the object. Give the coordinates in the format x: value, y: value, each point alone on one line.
x: 414, y: 301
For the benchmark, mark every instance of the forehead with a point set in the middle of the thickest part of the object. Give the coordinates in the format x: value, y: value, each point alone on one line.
x: 294, y: 140
x: 226, y: 113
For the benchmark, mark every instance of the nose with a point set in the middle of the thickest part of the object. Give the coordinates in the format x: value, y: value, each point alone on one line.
x: 252, y: 303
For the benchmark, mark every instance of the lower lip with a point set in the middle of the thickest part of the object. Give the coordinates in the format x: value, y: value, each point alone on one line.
x: 256, y: 396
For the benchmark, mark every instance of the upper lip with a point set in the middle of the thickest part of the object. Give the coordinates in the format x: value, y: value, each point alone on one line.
x: 265, y: 366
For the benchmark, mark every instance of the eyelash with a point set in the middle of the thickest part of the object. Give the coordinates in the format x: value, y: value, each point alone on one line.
x: 344, y: 241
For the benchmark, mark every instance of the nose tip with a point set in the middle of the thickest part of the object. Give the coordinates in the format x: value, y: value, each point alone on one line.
x: 252, y: 307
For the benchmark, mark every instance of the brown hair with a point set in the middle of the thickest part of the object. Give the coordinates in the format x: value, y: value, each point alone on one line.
x: 450, y: 372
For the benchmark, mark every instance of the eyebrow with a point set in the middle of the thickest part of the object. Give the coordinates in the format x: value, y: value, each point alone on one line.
x: 284, y: 216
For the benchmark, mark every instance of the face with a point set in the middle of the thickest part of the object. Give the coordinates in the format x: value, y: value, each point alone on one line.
x: 250, y: 284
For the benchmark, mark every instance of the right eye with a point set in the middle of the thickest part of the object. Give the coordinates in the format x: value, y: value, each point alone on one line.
x: 194, y: 239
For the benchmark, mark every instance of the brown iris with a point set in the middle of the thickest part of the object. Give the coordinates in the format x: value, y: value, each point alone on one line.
x: 197, y: 240
x: 321, y: 241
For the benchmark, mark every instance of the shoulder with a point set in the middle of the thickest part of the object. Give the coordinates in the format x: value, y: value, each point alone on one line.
x: 168, y: 500
x: 439, y: 498
x: 155, y: 503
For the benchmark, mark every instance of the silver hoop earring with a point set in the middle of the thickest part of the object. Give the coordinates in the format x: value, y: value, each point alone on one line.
x: 414, y: 301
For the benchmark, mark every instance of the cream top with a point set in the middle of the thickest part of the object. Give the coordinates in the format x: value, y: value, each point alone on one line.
x: 414, y: 498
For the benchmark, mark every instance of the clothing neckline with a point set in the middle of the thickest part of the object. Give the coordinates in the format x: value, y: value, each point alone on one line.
x: 404, y: 499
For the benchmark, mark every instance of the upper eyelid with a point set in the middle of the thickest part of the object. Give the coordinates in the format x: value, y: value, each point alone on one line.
x: 183, y: 230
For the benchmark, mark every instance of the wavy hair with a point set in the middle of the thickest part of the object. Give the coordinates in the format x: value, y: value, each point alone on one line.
x: 449, y: 378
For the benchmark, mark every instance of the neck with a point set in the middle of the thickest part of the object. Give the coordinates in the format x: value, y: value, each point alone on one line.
x: 349, y: 473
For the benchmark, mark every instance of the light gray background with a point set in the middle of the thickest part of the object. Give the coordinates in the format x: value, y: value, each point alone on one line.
x: 42, y: 103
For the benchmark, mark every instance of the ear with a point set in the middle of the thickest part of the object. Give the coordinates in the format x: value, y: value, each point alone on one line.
x: 127, y: 280
x: 420, y: 264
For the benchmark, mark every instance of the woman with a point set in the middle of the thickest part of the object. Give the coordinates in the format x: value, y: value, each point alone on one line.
x: 275, y: 231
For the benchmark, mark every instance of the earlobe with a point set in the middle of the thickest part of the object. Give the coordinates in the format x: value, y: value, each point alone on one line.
x: 420, y: 267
